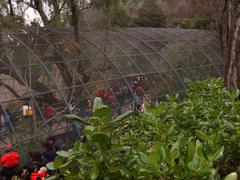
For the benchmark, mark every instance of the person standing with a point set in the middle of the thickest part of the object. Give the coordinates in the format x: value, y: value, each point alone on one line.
x: 48, y: 111
x: 9, y: 162
x: 27, y: 110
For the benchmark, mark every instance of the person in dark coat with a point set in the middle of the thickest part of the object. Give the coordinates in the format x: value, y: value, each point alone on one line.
x: 50, y: 153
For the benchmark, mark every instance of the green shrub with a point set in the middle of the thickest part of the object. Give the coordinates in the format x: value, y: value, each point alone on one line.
x: 198, y: 23
x: 193, y: 138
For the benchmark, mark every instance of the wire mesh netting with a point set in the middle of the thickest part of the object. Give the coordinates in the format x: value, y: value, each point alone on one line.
x: 45, y: 75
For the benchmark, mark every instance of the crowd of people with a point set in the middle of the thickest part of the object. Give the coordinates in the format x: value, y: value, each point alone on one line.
x: 135, y: 91
x: 117, y: 97
x: 35, y: 167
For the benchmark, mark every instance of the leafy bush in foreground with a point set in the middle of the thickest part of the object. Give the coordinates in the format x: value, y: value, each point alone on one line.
x: 196, y: 138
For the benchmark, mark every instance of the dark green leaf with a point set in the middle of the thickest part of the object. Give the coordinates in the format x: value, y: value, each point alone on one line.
x: 64, y: 154
x: 77, y: 145
x: 58, y: 161
x: 123, y: 116
x: 53, y: 177
x: 143, y: 157
x: 206, y: 170
x: 97, y: 104
x: 202, y: 136
x: 229, y: 124
x: 104, y: 111
x: 102, y: 140
x: 50, y: 166
x: 76, y: 118
x: 88, y: 130
x: 94, y: 173
x: 175, y: 151
x: 154, y: 156
x: 218, y: 154
x: 191, y: 151
x: 199, y: 149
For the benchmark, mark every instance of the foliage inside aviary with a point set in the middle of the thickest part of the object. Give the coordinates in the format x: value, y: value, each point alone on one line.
x: 191, y: 138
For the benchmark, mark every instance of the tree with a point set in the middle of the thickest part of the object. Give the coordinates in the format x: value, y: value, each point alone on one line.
x: 56, y: 10
x: 150, y: 15
x: 11, y: 8
x: 231, y: 25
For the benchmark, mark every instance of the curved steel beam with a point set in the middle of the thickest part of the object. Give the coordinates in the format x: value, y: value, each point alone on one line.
x: 214, y: 44
x: 48, y: 72
x: 181, y: 60
x: 186, y: 49
x: 13, y: 130
x: 94, y: 65
x: 29, y: 91
x: 170, y: 65
x: 131, y: 60
x: 145, y: 57
x: 111, y: 61
x: 66, y: 61
x: 199, y: 48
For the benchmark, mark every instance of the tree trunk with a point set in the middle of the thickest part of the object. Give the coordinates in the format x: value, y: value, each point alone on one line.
x: 231, y: 77
x: 11, y: 8
x: 75, y: 20
x: 39, y: 7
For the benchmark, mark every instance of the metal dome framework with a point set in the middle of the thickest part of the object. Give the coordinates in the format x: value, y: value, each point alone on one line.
x: 47, y: 66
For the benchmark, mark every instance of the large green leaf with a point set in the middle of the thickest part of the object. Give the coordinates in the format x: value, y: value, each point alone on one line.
x: 94, y: 173
x: 202, y: 136
x: 175, y: 153
x: 71, y: 177
x: 76, y: 118
x: 103, y: 111
x: 123, y: 116
x: 158, y: 154
x: 199, y: 149
x: 102, y: 139
x: 198, y: 157
x: 97, y: 155
x: 218, y: 154
x: 53, y: 177
x: 50, y: 166
x: 64, y: 154
x: 143, y: 157
x: 58, y: 162
x: 206, y: 170
x: 77, y: 145
x: 97, y: 104
x: 88, y: 130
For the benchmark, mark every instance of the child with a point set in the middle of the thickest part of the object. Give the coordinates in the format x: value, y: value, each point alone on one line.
x: 42, y: 173
x: 33, y: 173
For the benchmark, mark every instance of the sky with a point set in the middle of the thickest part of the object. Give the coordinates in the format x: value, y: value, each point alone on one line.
x: 29, y: 13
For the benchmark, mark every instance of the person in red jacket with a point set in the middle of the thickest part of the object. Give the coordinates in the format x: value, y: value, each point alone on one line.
x: 9, y: 162
x: 33, y: 173
x: 48, y: 111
